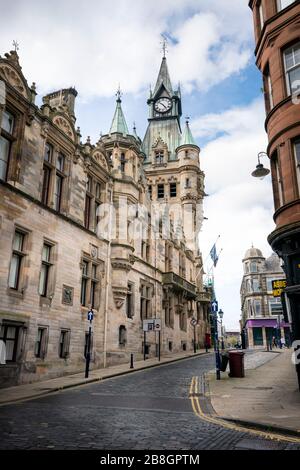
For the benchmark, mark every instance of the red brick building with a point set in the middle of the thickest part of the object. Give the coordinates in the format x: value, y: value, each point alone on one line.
x: 277, y: 35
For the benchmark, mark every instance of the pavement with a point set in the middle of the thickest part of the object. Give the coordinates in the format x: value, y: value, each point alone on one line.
x: 267, y: 397
x: 37, y: 389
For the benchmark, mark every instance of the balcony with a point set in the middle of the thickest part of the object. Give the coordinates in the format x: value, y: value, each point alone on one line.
x: 204, y: 296
x: 178, y: 284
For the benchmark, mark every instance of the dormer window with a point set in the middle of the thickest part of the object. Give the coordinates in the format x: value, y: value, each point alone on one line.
x: 159, y: 157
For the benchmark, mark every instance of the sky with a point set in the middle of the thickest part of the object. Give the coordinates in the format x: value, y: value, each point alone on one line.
x: 97, y: 45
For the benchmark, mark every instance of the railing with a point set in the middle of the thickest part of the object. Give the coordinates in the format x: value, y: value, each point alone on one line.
x: 179, y: 283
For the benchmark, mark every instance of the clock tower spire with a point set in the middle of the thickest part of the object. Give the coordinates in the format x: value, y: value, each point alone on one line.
x: 164, y: 113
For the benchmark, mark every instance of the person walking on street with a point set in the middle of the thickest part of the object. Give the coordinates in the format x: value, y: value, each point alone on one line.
x: 282, y: 341
x: 274, y: 342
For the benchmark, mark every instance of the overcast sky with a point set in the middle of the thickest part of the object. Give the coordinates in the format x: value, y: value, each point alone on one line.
x: 96, y: 44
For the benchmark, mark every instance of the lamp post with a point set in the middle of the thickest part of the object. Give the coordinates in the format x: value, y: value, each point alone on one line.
x: 221, y: 313
x: 260, y: 171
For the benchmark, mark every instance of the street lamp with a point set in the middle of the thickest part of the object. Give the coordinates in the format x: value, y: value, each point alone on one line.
x: 221, y: 313
x: 260, y: 171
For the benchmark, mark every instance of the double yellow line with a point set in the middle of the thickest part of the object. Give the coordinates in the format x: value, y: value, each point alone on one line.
x: 195, y: 402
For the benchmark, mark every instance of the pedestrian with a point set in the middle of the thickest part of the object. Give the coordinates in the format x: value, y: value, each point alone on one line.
x: 274, y: 342
x: 279, y: 343
x: 282, y: 340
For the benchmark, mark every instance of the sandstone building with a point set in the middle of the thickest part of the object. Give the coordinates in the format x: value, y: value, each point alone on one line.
x: 277, y: 36
x: 111, y: 226
x: 262, y: 314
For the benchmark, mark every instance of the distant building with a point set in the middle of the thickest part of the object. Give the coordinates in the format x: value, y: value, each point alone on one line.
x: 262, y: 314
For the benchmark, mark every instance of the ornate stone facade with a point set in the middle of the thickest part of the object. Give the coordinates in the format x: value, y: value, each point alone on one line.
x: 79, y: 230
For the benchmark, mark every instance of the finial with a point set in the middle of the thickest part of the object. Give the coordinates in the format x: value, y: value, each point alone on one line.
x: 134, y: 128
x: 16, y: 45
x: 119, y: 94
x: 187, y: 120
x: 164, y: 43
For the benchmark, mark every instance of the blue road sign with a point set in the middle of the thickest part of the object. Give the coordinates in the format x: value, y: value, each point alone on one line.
x: 214, y: 306
x: 90, y: 315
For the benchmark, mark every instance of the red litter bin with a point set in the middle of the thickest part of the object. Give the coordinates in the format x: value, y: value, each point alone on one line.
x: 236, y: 364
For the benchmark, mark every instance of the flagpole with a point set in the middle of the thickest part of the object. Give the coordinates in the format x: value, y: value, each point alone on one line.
x: 203, y: 262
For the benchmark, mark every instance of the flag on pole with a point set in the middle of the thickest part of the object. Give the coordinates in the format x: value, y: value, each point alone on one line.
x: 213, y: 255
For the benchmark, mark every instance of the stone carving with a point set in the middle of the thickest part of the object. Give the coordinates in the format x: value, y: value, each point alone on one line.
x: 100, y: 160
x: 14, y: 79
x: 67, y: 295
x: 119, y: 294
x: 65, y: 126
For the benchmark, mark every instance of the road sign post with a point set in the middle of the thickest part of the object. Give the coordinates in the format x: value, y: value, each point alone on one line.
x: 194, y: 324
x: 214, y: 310
x: 90, y: 317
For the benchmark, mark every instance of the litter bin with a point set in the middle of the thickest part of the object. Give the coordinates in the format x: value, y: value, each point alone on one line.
x: 224, y: 361
x: 236, y: 364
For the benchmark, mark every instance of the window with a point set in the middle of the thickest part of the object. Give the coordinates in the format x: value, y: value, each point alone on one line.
x: 187, y: 183
x: 253, y: 267
x: 16, y: 260
x: 129, y: 301
x: 183, y: 321
x: 182, y: 270
x: 122, y: 335
x: 159, y: 157
x: 261, y: 15
x: 6, y: 140
x: 40, y: 349
x: 93, y: 201
x: 173, y: 189
x: 169, y: 309
x: 122, y: 163
x: 59, y: 178
x: 275, y: 306
x: 277, y: 181
x: 47, y: 168
x: 256, y: 286
x: 9, y: 334
x: 269, y: 285
x: 281, y: 4
x: 45, y: 270
x: 150, y: 192
x: 146, y: 294
x: 160, y: 191
x: 292, y: 68
x: 64, y: 344
x: 297, y: 160
x: 257, y: 307
x: 268, y: 90
x: 89, y: 284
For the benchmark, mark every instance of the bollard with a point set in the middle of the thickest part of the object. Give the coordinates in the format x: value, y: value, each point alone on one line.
x: 131, y: 361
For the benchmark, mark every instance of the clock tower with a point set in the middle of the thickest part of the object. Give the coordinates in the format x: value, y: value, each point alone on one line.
x: 164, y: 114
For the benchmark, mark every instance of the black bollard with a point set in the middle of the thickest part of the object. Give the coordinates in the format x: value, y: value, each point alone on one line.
x: 131, y: 361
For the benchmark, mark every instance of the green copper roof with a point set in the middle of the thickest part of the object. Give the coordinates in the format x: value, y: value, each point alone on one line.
x: 187, y: 136
x: 119, y: 123
x: 163, y: 78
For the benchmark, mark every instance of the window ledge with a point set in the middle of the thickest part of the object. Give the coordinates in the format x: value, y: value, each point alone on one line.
x: 15, y: 293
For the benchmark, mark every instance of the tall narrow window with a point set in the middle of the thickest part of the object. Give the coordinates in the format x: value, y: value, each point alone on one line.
x: 292, y: 68
x: 64, y: 343
x: 59, y: 178
x: 297, y: 160
x: 40, y: 349
x: 122, y: 162
x: 187, y: 183
x: 16, y: 260
x: 84, y: 282
x: 160, y: 191
x: 173, y: 189
x: 45, y: 270
x: 47, y: 166
x: 268, y: 90
x: 6, y: 139
x: 150, y: 192
x: 277, y: 181
x: 261, y: 15
x: 129, y: 301
x: 94, y: 283
x: 145, y: 301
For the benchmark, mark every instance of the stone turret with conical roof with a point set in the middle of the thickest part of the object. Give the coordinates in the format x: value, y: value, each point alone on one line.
x: 119, y: 124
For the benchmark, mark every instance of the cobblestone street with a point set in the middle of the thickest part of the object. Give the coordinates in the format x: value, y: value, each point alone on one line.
x: 144, y: 410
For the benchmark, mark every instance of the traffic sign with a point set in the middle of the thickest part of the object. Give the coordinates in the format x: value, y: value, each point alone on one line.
x: 152, y: 324
x: 157, y: 324
x: 90, y: 315
x: 214, y: 306
x: 193, y: 321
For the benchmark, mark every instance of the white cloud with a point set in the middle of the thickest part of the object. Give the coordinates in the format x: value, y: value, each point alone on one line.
x: 95, y: 45
x: 239, y: 207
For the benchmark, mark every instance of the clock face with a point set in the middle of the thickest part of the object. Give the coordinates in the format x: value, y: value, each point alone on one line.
x: 163, y: 105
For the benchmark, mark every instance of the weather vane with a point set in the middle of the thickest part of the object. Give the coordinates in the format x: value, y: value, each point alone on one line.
x: 187, y: 119
x: 119, y: 93
x: 16, y: 45
x: 164, y: 43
